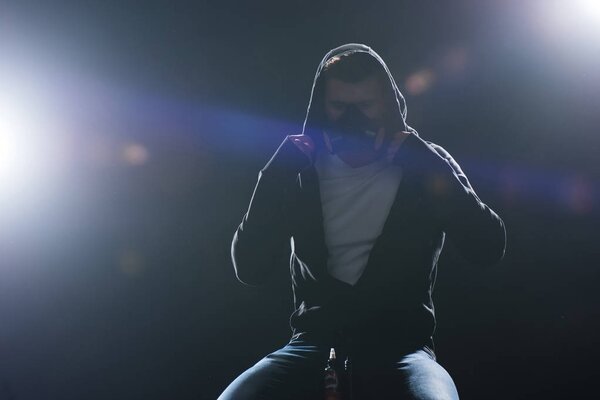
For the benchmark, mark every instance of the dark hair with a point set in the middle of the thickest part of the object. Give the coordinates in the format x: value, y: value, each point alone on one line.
x: 353, y: 67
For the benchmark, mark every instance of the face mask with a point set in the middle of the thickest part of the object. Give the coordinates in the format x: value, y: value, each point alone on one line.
x: 352, y: 129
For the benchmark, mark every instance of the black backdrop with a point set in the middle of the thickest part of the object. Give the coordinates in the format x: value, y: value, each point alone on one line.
x: 121, y: 287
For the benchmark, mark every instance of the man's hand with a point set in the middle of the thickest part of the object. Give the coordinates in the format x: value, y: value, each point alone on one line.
x: 304, y: 143
x: 394, y: 142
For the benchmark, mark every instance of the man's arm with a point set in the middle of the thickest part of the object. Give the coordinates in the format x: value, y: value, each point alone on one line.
x: 476, y: 230
x: 264, y: 233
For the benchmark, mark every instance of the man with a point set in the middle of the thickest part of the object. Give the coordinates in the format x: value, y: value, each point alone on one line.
x: 365, y: 205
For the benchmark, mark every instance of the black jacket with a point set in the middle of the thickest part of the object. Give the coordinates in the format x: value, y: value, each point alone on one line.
x: 392, y: 299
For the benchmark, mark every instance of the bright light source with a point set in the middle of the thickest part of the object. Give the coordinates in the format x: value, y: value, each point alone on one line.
x: 19, y: 149
x: 32, y: 148
x: 591, y: 8
x: 572, y: 19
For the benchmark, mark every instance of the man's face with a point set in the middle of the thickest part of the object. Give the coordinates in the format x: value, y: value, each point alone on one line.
x: 367, y: 95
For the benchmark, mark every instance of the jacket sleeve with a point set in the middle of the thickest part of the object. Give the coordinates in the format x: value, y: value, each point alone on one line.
x: 262, y: 238
x: 476, y: 230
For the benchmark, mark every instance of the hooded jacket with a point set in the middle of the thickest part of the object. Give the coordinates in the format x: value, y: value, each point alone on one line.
x: 392, y: 300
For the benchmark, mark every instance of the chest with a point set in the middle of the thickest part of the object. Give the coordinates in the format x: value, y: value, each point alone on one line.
x: 355, y: 208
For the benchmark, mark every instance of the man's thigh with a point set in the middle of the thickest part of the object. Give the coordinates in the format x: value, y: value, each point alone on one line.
x: 416, y: 376
x: 292, y: 372
x: 426, y: 378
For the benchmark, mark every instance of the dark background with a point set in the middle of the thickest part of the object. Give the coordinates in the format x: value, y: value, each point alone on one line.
x: 142, y: 127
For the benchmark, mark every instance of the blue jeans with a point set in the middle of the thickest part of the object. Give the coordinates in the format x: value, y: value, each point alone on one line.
x: 295, y: 372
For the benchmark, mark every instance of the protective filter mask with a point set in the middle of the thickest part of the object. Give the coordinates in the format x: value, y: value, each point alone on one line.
x: 352, y: 129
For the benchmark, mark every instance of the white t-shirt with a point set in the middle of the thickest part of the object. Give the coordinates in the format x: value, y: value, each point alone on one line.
x: 356, y: 203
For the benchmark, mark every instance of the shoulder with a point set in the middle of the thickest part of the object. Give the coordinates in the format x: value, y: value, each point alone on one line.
x: 443, y: 153
x: 439, y: 150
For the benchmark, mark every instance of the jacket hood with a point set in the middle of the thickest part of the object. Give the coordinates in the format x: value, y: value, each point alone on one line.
x: 315, y: 113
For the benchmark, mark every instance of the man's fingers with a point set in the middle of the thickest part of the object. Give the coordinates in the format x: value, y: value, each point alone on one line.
x: 304, y: 143
x: 303, y: 140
